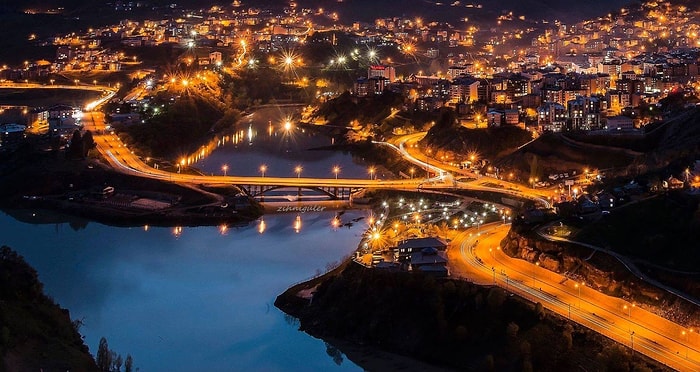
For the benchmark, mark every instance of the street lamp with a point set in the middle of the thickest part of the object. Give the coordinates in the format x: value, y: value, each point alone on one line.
x: 629, y: 313
x: 180, y: 165
x: 427, y: 162
x: 263, y: 168
x: 224, y: 168
x: 412, y: 171
x: 534, y: 278
x: 684, y: 333
x: 336, y: 170
x: 579, y: 293
x: 371, y: 172
x: 298, y: 170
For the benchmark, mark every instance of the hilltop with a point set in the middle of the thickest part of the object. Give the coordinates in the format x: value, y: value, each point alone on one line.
x: 37, y: 334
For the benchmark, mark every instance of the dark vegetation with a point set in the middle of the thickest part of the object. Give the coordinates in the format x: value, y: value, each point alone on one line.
x: 450, y: 323
x: 550, y: 154
x: 671, y: 225
x: 188, y: 120
x: 35, y: 333
x: 173, y: 132
x: 346, y: 108
x: 490, y: 143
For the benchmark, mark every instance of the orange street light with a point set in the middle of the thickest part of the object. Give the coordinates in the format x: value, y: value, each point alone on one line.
x: 298, y: 170
x: 336, y: 170
x: 263, y: 168
x: 224, y: 168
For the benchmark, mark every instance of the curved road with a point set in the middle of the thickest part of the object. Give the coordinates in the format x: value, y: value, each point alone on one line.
x: 478, y: 257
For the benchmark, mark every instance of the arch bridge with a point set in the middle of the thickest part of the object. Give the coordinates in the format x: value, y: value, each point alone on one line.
x: 333, y: 192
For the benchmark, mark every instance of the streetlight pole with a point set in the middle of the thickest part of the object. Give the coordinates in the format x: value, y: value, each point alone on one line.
x: 632, y: 340
x: 579, y: 294
x: 224, y: 168
x: 427, y: 163
x: 336, y: 170
x: 298, y: 171
x: 263, y: 168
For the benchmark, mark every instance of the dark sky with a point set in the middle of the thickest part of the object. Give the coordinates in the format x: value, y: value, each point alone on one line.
x: 367, y: 10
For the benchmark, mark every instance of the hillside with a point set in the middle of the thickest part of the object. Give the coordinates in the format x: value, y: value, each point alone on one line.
x: 36, y: 334
x: 449, y: 323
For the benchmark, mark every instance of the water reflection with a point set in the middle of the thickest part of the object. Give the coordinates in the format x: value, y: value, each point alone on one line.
x: 297, y: 224
x: 194, y: 300
x: 269, y: 142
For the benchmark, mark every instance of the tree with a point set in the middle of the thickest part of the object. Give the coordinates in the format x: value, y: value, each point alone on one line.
x: 129, y: 363
x: 88, y: 143
x: 118, y: 363
x: 104, y: 356
x: 75, y: 149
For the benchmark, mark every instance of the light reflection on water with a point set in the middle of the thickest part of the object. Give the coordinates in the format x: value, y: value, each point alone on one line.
x: 269, y: 143
x: 184, y: 299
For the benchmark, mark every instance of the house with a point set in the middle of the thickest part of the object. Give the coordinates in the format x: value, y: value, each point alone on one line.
x: 429, y: 261
x: 404, y: 250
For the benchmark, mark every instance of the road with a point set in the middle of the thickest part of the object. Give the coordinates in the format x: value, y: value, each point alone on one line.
x: 123, y: 159
x: 404, y: 146
x: 478, y: 257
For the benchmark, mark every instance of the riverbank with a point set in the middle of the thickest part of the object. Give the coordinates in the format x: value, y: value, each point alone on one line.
x: 90, y: 190
x: 450, y: 324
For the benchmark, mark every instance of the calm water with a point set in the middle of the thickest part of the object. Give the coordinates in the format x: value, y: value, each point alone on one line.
x: 202, y: 300
x: 264, y: 140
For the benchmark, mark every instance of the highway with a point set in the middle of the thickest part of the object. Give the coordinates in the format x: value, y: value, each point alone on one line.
x: 478, y: 257
x: 123, y: 159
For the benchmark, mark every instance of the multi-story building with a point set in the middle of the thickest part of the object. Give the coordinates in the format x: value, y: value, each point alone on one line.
x: 551, y: 116
x: 464, y: 90
x: 584, y: 113
x: 382, y: 71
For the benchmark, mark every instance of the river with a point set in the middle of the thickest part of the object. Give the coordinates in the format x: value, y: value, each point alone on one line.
x: 271, y: 138
x: 196, y: 299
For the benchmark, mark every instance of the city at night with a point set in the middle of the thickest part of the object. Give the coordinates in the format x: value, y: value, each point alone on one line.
x: 349, y: 185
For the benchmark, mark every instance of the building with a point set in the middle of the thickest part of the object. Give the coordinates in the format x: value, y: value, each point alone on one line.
x: 11, y: 135
x: 620, y: 123
x: 464, y: 90
x: 407, y: 247
x: 584, y: 113
x: 429, y: 261
x: 366, y: 87
x: 381, y: 71
x: 551, y: 116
